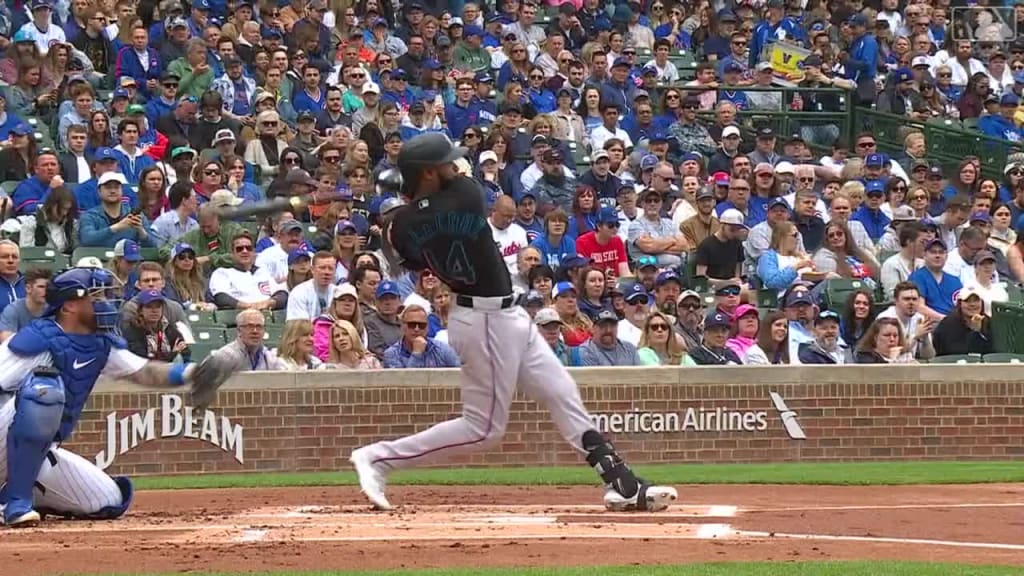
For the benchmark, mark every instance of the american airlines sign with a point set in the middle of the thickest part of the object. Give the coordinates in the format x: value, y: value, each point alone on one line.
x: 701, y: 420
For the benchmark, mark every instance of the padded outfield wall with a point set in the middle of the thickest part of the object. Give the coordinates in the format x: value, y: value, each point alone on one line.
x: 310, y: 421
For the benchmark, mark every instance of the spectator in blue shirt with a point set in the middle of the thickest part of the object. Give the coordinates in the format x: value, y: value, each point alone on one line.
x: 87, y: 194
x: 861, y: 64
x: 543, y: 100
x: 112, y: 220
x: 617, y: 89
x: 870, y: 212
x: 937, y: 288
x: 309, y: 97
x: 415, y: 349
x: 31, y: 192
x: 1002, y: 125
x: 130, y: 58
x: 12, y: 283
x: 463, y: 112
x: 776, y: 26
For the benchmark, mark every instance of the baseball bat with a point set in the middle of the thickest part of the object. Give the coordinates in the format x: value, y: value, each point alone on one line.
x: 293, y: 204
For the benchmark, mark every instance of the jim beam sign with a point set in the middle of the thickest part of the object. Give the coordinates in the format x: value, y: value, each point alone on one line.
x: 175, y: 420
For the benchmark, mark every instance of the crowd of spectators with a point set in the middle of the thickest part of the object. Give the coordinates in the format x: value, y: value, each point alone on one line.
x: 640, y: 214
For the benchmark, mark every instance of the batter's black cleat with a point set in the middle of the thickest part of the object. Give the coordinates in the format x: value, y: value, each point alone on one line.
x: 647, y: 499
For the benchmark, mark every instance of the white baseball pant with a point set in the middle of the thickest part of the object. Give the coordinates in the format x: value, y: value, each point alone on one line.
x: 499, y: 349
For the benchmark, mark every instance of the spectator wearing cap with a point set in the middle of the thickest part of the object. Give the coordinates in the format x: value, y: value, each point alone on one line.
x: 550, y: 327
x: 605, y: 348
x: 898, y: 267
x: 414, y: 349
x: 870, y: 214
x: 861, y: 63
x: 600, y: 177
x: 617, y: 90
x: 720, y: 256
x: 104, y: 160
x: 151, y: 333
x: 915, y: 326
x: 689, y: 318
x: 901, y: 96
x: 549, y: 179
x: 243, y: 285
x: 640, y: 125
x: 704, y: 223
x: 986, y: 279
x: 276, y: 258
x: 603, y: 247
x: 667, y: 287
x: 113, y: 220
x: 646, y: 272
x: 967, y: 329
x: 827, y: 347
x: 637, y: 308
x: 470, y: 55
x: 236, y: 90
x: 383, y: 327
x: 333, y: 303
x: 212, y: 238
x: 526, y: 216
x: 656, y: 236
x: 381, y: 40
x: 41, y: 27
x: 689, y: 132
x: 712, y: 350
x: 729, y: 149
x: 800, y: 312
x: 937, y: 287
x: 1002, y: 125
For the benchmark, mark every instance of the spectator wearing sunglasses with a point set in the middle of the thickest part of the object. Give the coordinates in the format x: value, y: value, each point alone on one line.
x: 242, y: 285
x: 414, y: 349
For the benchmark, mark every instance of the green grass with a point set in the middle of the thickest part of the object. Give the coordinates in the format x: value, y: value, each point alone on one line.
x: 723, y: 569
x: 858, y: 473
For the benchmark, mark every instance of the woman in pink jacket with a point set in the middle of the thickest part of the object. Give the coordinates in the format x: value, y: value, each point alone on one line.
x: 344, y: 306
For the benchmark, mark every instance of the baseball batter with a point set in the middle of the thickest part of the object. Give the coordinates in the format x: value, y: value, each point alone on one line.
x: 47, y: 371
x: 444, y: 227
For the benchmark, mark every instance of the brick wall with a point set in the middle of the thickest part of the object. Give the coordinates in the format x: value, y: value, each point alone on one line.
x: 293, y: 422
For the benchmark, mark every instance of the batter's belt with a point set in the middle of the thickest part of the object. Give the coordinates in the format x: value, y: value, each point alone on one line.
x: 488, y: 302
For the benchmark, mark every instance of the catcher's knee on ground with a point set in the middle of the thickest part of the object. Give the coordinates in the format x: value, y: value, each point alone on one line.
x: 609, y: 465
x: 39, y: 407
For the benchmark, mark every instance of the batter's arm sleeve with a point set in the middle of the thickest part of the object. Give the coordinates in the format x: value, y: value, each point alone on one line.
x: 14, y: 368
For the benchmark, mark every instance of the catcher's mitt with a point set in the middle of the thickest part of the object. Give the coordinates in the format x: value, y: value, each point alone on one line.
x: 207, y: 377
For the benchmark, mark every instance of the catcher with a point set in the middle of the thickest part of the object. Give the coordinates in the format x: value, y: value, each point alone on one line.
x: 47, y: 371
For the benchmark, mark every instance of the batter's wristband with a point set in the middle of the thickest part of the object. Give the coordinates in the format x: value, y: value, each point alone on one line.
x: 177, y: 374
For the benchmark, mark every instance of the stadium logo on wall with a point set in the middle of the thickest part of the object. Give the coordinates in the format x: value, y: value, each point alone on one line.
x: 700, y: 420
x: 175, y: 420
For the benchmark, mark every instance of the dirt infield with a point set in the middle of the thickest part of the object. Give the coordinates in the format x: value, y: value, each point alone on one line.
x: 332, y: 528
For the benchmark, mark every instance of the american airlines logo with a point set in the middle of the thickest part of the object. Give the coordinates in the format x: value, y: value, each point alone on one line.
x: 788, y: 417
x: 700, y: 420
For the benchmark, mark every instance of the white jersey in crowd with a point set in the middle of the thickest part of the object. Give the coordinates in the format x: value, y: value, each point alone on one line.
x: 248, y: 287
x: 510, y: 241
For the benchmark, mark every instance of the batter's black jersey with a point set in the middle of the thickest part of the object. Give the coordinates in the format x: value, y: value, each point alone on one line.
x: 449, y: 234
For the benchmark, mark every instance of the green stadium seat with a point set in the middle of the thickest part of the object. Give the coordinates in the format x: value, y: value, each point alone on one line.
x: 201, y: 318
x: 1015, y: 292
x: 767, y: 298
x: 999, y: 358
x: 837, y: 290
x: 150, y: 254
x: 1008, y: 327
x: 957, y: 359
x: 40, y: 253
x: 9, y: 186
x: 225, y: 317
x: 251, y: 226
x: 216, y: 334
x: 272, y: 335
x: 104, y: 254
x: 278, y: 316
x: 200, y: 350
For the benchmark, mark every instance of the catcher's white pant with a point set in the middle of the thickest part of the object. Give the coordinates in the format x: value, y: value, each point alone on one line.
x: 66, y: 482
x: 499, y: 349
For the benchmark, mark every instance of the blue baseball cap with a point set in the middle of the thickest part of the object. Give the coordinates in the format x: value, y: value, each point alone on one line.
x: 388, y: 288
x: 38, y: 4
x: 694, y: 156
x: 874, y: 187
x: 298, y: 254
x: 904, y: 75
x: 104, y: 154
x: 180, y: 248
x: 432, y: 64
x: 734, y: 67
x: 668, y: 276
x: 637, y: 291
x: 574, y: 261
x: 127, y: 249
x: 472, y: 30
x: 21, y: 129
x: 398, y: 74
x: 657, y: 136
x: 716, y: 319
x: 562, y: 288
x: 343, y: 225
x: 1009, y: 99
x: 1018, y: 77
x: 24, y: 36
x: 119, y: 93
x: 201, y: 4
x: 269, y: 33
x: 777, y: 202
x: 857, y: 20
x: 648, y: 162
x: 607, y: 215
x: 150, y: 296
x: 483, y: 78
x: 343, y: 191
x: 874, y: 161
x: 622, y: 61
